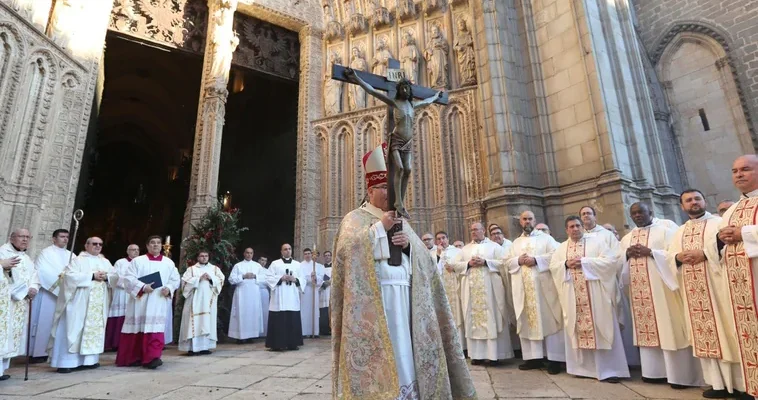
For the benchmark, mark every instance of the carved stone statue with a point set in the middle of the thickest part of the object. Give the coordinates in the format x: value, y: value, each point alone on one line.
x: 400, y: 145
x: 436, y: 54
x: 332, y: 88
x: 409, y: 56
x: 381, y: 60
x: 355, y: 95
x: 464, y: 46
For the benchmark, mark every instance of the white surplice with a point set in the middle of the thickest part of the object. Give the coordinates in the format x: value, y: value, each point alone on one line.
x: 708, y: 314
x: 326, y: 288
x: 395, y: 282
x: 484, y: 302
x: 265, y: 299
x: 309, y: 300
x: 81, y: 313
x: 535, y: 298
x: 119, y: 296
x: 246, y: 321
x: 658, y: 309
x: 452, y: 283
x: 148, y: 312
x: 198, y: 329
x: 50, y: 264
x: 14, y: 304
x: 588, y: 298
x: 284, y: 297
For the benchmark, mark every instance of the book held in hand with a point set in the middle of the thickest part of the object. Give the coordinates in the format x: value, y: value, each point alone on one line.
x: 154, y: 278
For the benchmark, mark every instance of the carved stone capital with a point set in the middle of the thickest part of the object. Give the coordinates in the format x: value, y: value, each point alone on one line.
x: 406, y: 10
x: 358, y: 24
x: 334, y: 31
x: 381, y: 17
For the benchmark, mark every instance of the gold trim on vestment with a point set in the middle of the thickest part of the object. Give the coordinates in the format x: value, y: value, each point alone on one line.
x: 585, y: 323
x: 643, y: 307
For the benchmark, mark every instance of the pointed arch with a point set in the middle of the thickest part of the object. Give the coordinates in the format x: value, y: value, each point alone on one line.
x: 322, y: 167
x: 343, y: 158
x: 11, y: 48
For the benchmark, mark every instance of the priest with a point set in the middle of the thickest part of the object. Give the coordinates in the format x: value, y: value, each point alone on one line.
x: 451, y: 281
x: 284, y: 278
x: 246, y: 320
x: 143, y: 335
x: 119, y: 300
x: 50, y: 264
x: 738, y: 245
x: 313, y: 272
x: 539, y: 319
x: 694, y: 254
x: 483, y: 298
x: 326, y: 290
x: 81, y: 311
x: 265, y: 292
x: 201, y: 285
x: 393, y: 332
x: 660, y: 330
x: 18, y: 287
x: 584, y: 271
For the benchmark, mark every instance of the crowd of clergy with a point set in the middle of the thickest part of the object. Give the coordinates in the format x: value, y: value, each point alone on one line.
x: 677, y: 301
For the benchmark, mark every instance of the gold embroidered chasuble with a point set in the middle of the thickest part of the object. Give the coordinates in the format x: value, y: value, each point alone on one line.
x: 85, y: 302
x: 363, y: 365
x: 452, y: 283
x: 587, y: 294
x: 739, y: 262
x: 483, y: 292
x: 535, y: 298
x: 14, y: 306
x: 656, y: 302
x: 201, y: 304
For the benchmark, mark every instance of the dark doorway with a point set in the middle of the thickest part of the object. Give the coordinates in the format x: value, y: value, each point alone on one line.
x: 258, y: 158
x: 137, y: 178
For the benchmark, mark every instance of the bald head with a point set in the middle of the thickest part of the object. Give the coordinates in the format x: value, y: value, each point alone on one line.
x: 745, y: 173
x: 20, y: 239
x: 477, y: 231
x: 527, y: 222
x: 543, y: 227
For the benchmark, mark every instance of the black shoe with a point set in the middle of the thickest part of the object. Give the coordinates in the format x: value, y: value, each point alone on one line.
x: 553, y: 367
x: 5, y: 377
x: 743, y: 396
x: 93, y: 366
x: 316, y: 337
x: 204, y: 352
x: 531, y: 364
x: 154, y: 364
x: 37, y: 360
x: 240, y: 341
x: 477, y: 362
x: 678, y: 387
x: 654, y: 380
x: 64, y: 370
x: 717, y: 394
x: 613, y: 379
x: 135, y: 364
x: 518, y: 354
x: 192, y: 353
x: 494, y: 363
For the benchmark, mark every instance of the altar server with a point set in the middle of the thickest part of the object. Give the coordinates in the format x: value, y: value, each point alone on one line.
x: 201, y: 285
x: 284, y: 278
x: 246, y: 321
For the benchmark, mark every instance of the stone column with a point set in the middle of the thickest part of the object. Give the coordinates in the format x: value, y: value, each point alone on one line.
x: 220, y: 45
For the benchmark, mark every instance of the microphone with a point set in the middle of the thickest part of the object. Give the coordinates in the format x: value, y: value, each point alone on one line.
x: 287, y: 272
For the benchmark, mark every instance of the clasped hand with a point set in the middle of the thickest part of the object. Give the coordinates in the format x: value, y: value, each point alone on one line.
x: 730, y: 235
x: 249, y: 275
x: 100, y: 276
x: 527, y: 260
x: 288, y: 278
x: 575, y: 263
x: 205, y: 277
x: 691, y: 257
x: 637, y: 251
x: 476, y: 261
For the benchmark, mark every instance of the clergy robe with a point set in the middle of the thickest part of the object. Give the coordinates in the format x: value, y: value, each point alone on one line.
x: 393, y: 333
x: 515, y: 342
x: 246, y: 321
x: 657, y: 309
x: 309, y: 300
x: 594, y: 346
x: 81, y: 313
x: 708, y: 313
x: 483, y: 302
x: 265, y: 299
x: 285, y: 330
x: 198, y: 328
x: 14, y: 305
x: 739, y: 262
x: 451, y: 281
x: 323, y: 298
x: 539, y: 319
x: 143, y: 335
x: 50, y: 264
x: 623, y: 308
x: 117, y: 310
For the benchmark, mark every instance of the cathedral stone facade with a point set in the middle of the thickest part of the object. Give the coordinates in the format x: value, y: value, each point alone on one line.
x: 554, y: 104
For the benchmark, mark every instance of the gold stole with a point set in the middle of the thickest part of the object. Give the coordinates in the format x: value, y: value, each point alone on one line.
x: 530, y: 292
x: 93, y: 334
x: 478, y: 299
x: 739, y: 272
x: 698, y: 292
x: 643, y: 308
x: 585, y: 324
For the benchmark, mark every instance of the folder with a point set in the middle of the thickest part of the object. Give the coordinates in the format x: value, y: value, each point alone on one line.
x: 154, y: 278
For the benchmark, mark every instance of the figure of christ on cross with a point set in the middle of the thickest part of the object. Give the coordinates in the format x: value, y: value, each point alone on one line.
x: 400, y: 99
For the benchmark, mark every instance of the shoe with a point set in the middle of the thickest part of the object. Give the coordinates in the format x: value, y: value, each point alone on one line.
x: 654, y: 380
x: 64, y: 370
x: 292, y: 348
x: 316, y: 337
x: 154, y: 364
x: 717, y: 394
x: 613, y: 379
x: 743, y: 396
x: 240, y: 341
x: 477, y: 362
x: 518, y: 354
x: 192, y: 353
x: 5, y: 377
x: 553, y: 367
x: 494, y: 363
x: 93, y: 366
x: 531, y: 364
x: 678, y: 387
x: 38, y: 360
x: 135, y: 364
x: 204, y: 352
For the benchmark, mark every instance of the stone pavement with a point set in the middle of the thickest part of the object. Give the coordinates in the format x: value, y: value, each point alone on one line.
x: 249, y: 371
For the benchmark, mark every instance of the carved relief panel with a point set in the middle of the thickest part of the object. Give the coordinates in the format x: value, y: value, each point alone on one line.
x: 267, y: 48
x: 177, y: 23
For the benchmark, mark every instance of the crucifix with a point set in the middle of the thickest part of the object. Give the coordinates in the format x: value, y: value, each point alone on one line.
x: 402, y: 98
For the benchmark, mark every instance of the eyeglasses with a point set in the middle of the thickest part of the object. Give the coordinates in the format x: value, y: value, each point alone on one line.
x: 97, y: 244
x: 23, y: 237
